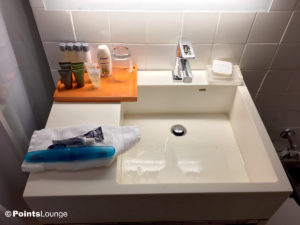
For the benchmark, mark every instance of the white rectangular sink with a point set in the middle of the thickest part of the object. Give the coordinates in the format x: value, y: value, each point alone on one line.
x: 221, y: 144
x: 223, y: 169
x: 208, y: 152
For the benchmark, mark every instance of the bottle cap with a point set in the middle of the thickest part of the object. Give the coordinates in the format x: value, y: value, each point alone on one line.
x: 69, y: 46
x: 62, y: 46
x: 103, y: 47
x: 103, y: 50
x: 85, y: 47
x: 77, y: 46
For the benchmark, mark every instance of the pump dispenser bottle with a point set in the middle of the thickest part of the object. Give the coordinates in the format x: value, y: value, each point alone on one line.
x: 104, y: 60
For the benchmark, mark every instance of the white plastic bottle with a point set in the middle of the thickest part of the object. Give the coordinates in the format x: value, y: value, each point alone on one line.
x: 63, y: 52
x: 87, y: 58
x: 104, y: 60
x: 77, y: 48
x: 70, y: 53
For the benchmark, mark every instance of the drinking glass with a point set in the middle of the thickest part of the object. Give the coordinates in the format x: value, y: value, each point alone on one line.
x: 94, y: 74
x: 122, y: 63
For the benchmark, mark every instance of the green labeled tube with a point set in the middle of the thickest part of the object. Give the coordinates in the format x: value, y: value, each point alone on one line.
x: 79, y: 76
x: 66, y: 77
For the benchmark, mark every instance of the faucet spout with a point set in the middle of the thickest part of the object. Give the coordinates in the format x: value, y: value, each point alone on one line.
x: 182, y: 70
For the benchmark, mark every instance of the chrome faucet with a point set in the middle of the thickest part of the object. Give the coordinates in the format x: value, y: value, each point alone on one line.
x: 182, y: 70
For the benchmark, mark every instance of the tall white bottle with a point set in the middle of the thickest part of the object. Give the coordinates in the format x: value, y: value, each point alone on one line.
x: 71, y: 54
x: 104, y: 60
x: 63, y: 52
x: 86, y: 53
x: 77, y: 49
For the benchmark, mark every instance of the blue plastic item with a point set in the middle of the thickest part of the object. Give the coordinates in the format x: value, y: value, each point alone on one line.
x: 70, y: 154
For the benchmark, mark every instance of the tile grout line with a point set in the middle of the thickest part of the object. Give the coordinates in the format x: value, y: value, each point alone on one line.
x: 274, y: 56
x: 296, y: 4
x: 182, y: 24
x: 109, y: 26
x: 215, y: 37
x: 287, y: 26
x: 134, y: 43
x: 217, y: 28
x: 261, y: 84
x: 248, y: 37
x: 73, y: 26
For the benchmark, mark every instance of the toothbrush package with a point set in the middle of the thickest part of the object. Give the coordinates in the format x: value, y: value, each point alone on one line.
x: 78, y: 147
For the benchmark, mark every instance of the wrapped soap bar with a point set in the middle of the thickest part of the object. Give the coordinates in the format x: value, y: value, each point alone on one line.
x: 222, y: 68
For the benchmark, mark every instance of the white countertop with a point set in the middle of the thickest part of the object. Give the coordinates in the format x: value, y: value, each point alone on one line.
x: 102, y: 181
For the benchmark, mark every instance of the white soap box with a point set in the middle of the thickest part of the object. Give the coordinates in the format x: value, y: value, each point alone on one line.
x: 222, y: 68
x: 235, y: 79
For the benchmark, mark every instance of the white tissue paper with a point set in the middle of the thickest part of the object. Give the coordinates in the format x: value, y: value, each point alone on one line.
x: 122, y: 138
x: 222, y: 68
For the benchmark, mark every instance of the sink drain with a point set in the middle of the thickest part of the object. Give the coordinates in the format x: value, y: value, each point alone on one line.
x: 178, y: 130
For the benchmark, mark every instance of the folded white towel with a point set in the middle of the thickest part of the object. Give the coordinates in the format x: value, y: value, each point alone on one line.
x: 121, y: 138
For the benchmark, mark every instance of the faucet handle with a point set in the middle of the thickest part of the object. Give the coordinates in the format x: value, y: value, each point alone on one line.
x: 186, y: 49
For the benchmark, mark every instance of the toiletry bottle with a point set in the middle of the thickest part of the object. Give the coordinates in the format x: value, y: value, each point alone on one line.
x: 77, y: 49
x: 87, y: 58
x: 104, y: 60
x: 73, y: 54
x: 69, y: 51
x: 63, y: 52
x: 86, y: 54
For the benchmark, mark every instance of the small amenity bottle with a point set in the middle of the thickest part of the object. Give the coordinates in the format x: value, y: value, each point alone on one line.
x: 77, y: 48
x: 104, y: 60
x: 86, y: 55
x: 70, y: 54
x: 63, y: 52
x: 87, y: 58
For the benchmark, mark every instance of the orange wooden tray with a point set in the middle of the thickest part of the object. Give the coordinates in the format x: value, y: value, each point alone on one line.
x: 110, y: 90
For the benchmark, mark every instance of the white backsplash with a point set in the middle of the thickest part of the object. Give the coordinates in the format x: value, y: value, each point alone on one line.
x: 262, y: 44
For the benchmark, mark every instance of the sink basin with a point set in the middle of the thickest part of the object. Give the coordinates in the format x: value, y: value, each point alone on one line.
x: 221, y: 143
x: 223, y: 168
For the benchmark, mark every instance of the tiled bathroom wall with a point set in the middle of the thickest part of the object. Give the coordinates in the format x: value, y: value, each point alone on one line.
x: 265, y: 45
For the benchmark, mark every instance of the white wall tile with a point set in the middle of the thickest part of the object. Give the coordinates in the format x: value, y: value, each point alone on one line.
x: 53, y: 54
x: 269, y: 27
x: 277, y: 101
x: 54, y: 26
x: 276, y: 81
x: 253, y: 79
x: 36, y: 3
x: 271, y: 101
x: 298, y: 5
x: 200, y: 27
x: 286, y: 118
x: 271, y: 117
x: 287, y: 57
x: 294, y: 86
x: 160, y: 57
x: 228, y: 52
x: 203, y: 53
x: 163, y: 27
x: 297, y: 140
x: 291, y: 119
x: 55, y: 76
x: 277, y: 121
x: 234, y: 27
x: 127, y: 27
x: 258, y: 56
x: 138, y: 54
x: 292, y: 33
x: 91, y: 26
x: 281, y: 5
